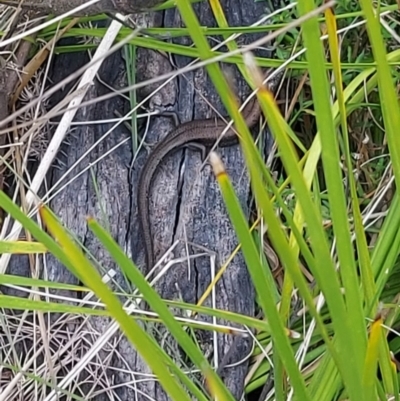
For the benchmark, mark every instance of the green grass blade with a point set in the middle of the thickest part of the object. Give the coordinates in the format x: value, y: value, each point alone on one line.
x: 157, y: 305
x: 259, y: 277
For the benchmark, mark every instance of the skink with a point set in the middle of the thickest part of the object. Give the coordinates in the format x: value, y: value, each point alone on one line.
x: 204, y: 132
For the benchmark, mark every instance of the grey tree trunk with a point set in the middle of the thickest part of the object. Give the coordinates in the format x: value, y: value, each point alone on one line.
x: 186, y: 207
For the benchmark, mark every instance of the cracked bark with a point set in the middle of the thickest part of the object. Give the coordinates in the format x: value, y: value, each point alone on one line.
x: 58, y: 7
x: 199, y: 216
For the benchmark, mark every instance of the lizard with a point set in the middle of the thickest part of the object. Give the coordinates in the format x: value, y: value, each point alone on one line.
x: 201, y: 132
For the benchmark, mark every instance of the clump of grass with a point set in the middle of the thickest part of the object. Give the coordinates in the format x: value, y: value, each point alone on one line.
x: 330, y: 209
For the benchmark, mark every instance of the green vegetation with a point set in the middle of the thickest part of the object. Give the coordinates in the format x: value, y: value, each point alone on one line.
x: 337, y: 233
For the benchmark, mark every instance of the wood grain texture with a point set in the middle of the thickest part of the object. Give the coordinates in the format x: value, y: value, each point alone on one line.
x: 190, y: 207
x: 59, y: 7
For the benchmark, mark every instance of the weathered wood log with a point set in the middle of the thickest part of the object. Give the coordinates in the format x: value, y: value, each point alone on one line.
x: 196, y: 213
x: 58, y: 7
x: 188, y: 207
